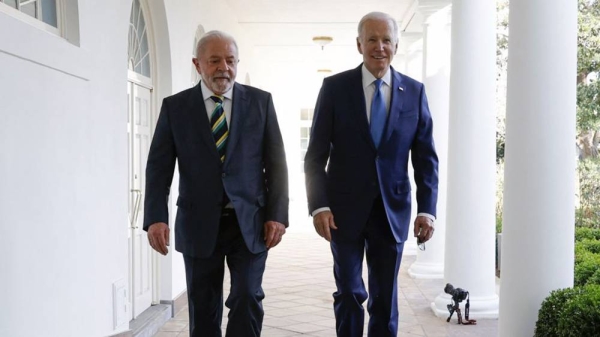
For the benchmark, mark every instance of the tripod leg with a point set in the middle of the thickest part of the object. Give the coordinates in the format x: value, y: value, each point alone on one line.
x: 451, y: 313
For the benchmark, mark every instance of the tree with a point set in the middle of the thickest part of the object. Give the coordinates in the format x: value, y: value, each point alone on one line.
x: 588, y: 86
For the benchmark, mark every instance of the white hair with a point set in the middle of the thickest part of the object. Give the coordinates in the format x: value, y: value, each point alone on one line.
x: 213, y: 34
x: 379, y: 16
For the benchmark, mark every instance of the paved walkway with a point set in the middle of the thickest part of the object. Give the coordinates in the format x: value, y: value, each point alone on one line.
x: 298, y: 285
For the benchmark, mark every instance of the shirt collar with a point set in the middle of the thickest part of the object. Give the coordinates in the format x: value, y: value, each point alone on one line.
x: 206, y: 93
x: 368, y: 78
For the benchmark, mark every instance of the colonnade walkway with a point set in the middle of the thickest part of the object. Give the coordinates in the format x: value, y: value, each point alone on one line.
x: 298, y: 285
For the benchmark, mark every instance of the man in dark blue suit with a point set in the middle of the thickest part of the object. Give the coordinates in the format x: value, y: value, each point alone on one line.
x: 366, y: 123
x: 233, y: 189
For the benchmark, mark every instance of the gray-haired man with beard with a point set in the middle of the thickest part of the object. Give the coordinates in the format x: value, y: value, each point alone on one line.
x: 233, y: 189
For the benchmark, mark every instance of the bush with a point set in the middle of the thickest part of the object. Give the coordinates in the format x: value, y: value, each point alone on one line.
x: 595, y: 278
x: 581, y: 315
x: 551, y: 311
x: 586, y: 233
x: 590, y: 245
x: 586, y: 264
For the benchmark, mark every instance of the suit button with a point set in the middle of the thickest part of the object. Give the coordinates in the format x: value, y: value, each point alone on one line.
x: 223, y: 174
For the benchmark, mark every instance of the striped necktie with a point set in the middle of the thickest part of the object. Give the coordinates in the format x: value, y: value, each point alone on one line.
x: 218, y: 124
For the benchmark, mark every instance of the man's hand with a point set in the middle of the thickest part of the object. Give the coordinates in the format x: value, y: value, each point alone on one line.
x: 423, y: 228
x: 158, y: 236
x: 324, y: 223
x: 273, y: 232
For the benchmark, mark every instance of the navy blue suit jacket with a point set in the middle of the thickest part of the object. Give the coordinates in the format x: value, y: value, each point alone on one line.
x: 344, y: 170
x: 254, y: 174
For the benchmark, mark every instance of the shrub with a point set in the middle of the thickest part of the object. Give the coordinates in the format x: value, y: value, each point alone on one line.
x: 590, y: 245
x: 586, y: 264
x: 582, y: 233
x: 581, y: 315
x: 551, y: 311
x: 586, y: 233
x: 595, y: 278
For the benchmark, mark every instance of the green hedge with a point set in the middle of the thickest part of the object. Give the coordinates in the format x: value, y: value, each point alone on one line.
x: 586, y: 233
x: 587, y: 256
x: 570, y: 312
x: 575, y: 312
x: 551, y: 311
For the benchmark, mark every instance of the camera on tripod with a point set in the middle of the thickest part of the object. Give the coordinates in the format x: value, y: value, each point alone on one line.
x: 458, y: 295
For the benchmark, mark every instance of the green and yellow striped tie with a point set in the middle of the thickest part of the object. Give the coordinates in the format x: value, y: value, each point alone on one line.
x: 218, y: 125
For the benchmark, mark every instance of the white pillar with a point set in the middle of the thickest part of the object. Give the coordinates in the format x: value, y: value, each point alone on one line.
x: 470, y: 219
x: 413, y: 66
x: 436, y: 64
x: 539, y: 192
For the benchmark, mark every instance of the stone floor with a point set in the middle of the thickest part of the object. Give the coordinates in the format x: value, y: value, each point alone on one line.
x: 298, y: 284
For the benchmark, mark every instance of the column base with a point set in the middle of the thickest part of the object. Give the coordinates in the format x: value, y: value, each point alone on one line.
x: 420, y: 270
x: 481, y: 307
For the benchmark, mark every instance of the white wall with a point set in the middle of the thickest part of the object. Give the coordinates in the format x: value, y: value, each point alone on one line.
x: 63, y: 169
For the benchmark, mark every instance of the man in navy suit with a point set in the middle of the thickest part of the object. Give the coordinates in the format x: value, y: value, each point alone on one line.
x: 366, y: 123
x: 233, y: 189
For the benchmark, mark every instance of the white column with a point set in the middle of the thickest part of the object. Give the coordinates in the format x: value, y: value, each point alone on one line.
x: 540, y: 160
x: 436, y: 68
x: 413, y: 66
x: 470, y: 217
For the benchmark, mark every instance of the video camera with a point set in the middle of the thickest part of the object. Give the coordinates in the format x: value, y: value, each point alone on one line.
x: 458, y: 295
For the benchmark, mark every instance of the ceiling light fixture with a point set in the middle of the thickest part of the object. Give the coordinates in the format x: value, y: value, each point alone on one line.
x: 322, y: 40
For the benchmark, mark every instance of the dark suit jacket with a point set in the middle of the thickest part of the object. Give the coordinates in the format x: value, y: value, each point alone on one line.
x: 357, y: 172
x: 254, y: 174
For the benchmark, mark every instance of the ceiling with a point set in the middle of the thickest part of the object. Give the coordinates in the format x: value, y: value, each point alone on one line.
x: 283, y: 29
x: 295, y: 22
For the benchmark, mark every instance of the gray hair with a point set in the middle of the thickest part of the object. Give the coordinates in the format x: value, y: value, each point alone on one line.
x: 211, y: 35
x: 379, y: 16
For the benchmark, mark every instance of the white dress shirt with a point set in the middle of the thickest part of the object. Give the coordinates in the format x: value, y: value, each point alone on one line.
x: 210, y: 104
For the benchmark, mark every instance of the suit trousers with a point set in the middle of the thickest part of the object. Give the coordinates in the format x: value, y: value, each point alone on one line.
x: 204, y: 278
x: 384, y: 255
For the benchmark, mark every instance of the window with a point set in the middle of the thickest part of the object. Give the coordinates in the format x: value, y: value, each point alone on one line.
x: 306, y: 116
x: 43, y: 10
x: 139, y: 51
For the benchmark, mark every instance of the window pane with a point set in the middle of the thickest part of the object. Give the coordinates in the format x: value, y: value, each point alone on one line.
x: 303, y: 132
x: 49, y: 12
x: 146, y: 66
x: 304, y: 144
x: 11, y: 3
x: 29, y: 9
x: 304, y: 114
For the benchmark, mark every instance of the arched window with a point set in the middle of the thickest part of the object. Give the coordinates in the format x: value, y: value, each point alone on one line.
x: 198, y: 35
x: 139, y: 51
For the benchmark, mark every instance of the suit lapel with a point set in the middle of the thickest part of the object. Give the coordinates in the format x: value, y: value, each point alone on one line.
x: 236, y: 125
x: 397, y: 99
x: 199, y: 119
x: 357, y: 92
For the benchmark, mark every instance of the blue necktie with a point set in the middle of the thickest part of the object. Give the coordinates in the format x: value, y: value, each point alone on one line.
x: 378, y: 113
x: 218, y: 125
